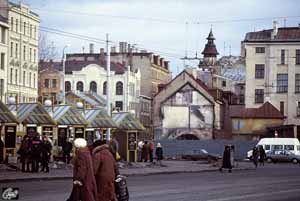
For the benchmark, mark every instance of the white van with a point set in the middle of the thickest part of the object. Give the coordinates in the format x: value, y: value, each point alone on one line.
x: 270, y: 144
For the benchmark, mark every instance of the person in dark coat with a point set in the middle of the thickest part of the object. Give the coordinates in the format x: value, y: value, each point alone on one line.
x: 36, y: 153
x: 46, y: 148
x: 255, y: 155
x: 262, y: 156
x: 84, y: 184
x: 145, y: 151
x: 67, y: 149
x: 114, y: 147
x: 151, y: 149
x: 106, y: 170
x: 226, y: 159
x: 159, y: 153
x: 23, y: 152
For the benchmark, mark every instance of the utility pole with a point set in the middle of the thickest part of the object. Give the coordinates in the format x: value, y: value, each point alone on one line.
x: 108, y: 83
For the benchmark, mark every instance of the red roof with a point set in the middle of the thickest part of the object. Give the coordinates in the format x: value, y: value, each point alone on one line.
x: 285, y: 34
x: 266, y: 111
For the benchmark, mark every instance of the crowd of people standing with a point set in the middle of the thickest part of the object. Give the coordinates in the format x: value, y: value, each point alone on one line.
x: 146, y: 152
x: 35, y: 153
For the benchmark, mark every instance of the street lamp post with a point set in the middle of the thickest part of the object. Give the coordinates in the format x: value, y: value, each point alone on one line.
x: 64, y: 73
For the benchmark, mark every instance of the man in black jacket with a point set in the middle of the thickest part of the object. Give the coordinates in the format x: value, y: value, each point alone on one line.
x: 46, y: 153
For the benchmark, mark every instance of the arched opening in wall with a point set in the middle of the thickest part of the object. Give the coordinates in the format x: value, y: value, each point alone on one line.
x: 93, y: 87
x: 187, y: 137
x: 119, y: 88
x: 67, y: 86
x: 79, y: 86
x: 104, y: 88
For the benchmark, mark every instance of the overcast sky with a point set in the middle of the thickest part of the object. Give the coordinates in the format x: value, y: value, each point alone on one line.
x: 161, y: 25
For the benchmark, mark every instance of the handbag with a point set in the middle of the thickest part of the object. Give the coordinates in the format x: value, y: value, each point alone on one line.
x: 121, y: 188
x: 75, y: 194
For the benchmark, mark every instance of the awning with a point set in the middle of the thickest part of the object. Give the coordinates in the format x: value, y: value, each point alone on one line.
x: 127, y: 121
x: 98, y: 118
x: 66, y: 115
x: 32, y: 113
x: 5, y: 115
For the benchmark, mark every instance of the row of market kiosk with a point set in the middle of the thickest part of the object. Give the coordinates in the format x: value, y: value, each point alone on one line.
x: 64, y: 122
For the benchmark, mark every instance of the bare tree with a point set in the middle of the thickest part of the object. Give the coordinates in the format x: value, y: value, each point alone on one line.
x: 47, y: 50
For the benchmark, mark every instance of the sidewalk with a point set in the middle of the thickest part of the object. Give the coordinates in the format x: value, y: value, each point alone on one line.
x: 135, y: 169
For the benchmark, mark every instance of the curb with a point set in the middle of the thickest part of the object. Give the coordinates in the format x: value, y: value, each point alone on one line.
x: 127, y: 175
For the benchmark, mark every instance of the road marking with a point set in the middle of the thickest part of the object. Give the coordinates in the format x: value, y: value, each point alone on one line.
x: 243, y: 197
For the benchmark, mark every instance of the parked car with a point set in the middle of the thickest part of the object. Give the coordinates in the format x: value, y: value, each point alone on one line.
x: 201, y: 154
x: 282, y: 156
x: 270, y: 144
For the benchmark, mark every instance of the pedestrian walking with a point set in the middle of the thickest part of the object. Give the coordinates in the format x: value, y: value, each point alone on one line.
x: 159, y: 153
x: 255, y: 156
x: 139, y: 151
x: 84, y: 184
x: 36, y: 153
x: 106, y: 171
x: 114, y: 147
x: 226, y: 160
x: 262, y: 156
x: 232, y: 155
x: 46, y: 148
x: 151, y: 149
x: 23, y: 152
x: 145, y: 151
x: 67, y: 149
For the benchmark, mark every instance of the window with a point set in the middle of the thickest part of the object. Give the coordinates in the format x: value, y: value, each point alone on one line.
x: 17, y: 50
x: 282, y: 57
x: 119, y: 105
x: 2, y: 64
x: 24, y: 28
x: 298, y: 147
x: 259, y: 71
x: 24, y: 77
x: 12, y: 23
x: 223, y: 83
x: 259, y: 95
x: 260, y: 50
x: 16, y: 77
x: 11, y: 49
x: 282, y: 107
x: 298, y: 57
x: 34, y: 31
x: 289, y: 147
x: 93, y: 87
x: 119, y: 88
x: 46, y: 83
x: 267, y: 147
x: 30, y: 31
x: 24, y: 53
x: 30, y: 54
x: 29, y: 80
x: 79, y: 86
x: 297, y: 83
x: 53, y: 83
x: 17, y: 25
x: 3, y: 35
x: 104, y: 88
x: 282, y: 83
x: 242, y: 88
x: 11, y: 75
x: 34, y: 55
x: 242, y: 99
x: 33, y: 80
x: 1, y: 87
x: 67, y: 86
x: 277, y: 147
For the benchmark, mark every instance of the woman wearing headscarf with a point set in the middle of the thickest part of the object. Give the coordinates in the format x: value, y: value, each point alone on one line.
x: 159, y: 153
x: 226, y: 159
x: 84, y: 184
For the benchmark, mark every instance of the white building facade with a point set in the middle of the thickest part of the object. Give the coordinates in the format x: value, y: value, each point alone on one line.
x: 23, y: 53
x: 3, y: 57
x: 273, y: 70
x: 124, y: 87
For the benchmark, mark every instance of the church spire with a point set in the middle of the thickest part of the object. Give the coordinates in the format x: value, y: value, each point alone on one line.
x: 210, y: 49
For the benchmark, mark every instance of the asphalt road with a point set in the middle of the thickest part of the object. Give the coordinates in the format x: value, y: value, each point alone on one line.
x: 276, y: 182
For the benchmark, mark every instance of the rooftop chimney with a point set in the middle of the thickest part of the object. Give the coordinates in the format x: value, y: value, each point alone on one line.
x: 91, y: 48
x: 275, y: 29
x: 102, y: 57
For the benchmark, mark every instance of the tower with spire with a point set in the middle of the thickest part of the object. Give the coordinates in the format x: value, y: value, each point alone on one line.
x: 209, y: 53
